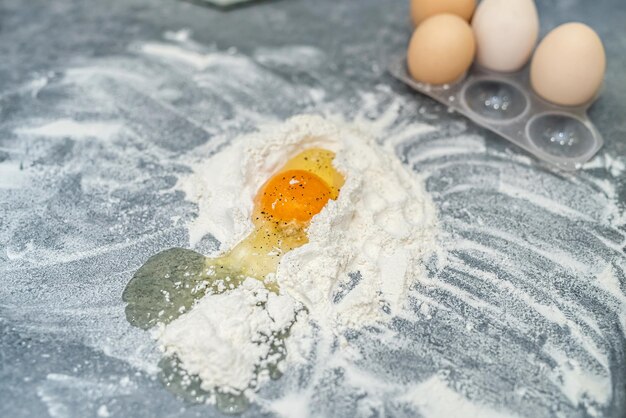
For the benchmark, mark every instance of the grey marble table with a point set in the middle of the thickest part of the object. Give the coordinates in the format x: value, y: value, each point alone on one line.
x: 103, y: 102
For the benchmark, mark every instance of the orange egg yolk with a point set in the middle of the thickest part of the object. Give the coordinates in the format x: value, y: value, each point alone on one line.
x: 283, y: 209
x: 293, y: 195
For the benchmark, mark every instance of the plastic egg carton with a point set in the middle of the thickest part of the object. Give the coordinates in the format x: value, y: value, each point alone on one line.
x: 505, y: 104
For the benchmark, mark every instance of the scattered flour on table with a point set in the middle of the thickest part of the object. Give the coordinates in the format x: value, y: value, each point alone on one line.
x: 554, y: 301
x: 434, y: 398
x: 364, y: 249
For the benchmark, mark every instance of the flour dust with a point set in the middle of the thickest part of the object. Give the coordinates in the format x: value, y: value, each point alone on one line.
x: 522, y: 313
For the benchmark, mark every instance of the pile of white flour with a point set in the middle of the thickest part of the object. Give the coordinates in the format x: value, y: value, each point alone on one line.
x: 364, y: 249
x: 226, y: 335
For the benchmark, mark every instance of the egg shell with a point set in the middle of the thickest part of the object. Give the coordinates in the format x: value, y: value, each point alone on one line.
x: 423, y: 9
x: 506, y: 32
x: 568, y: 65
x: 441, y: 49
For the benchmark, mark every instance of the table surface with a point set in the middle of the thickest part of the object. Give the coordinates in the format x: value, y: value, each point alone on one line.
x: 101, y: 105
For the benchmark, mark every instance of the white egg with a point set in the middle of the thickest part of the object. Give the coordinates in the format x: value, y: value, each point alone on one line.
x: 506, y: 32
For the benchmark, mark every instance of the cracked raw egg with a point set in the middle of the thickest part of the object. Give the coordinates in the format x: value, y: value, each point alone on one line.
x: 283, y: 208
x: 167, y: 285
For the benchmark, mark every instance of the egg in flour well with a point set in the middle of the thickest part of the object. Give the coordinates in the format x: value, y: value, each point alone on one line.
x: 168, y: 284
x: 283, y: 209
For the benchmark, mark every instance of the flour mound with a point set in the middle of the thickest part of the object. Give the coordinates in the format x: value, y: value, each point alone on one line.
x: 225, y: 336
x: 364, y: 249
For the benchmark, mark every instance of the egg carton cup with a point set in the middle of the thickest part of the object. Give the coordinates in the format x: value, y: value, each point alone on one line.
x: 504, y: 103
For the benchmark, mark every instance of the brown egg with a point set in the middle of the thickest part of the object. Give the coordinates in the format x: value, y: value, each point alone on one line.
x: 441, y: 49
x: 568, y: 65
x: 423, y: 9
